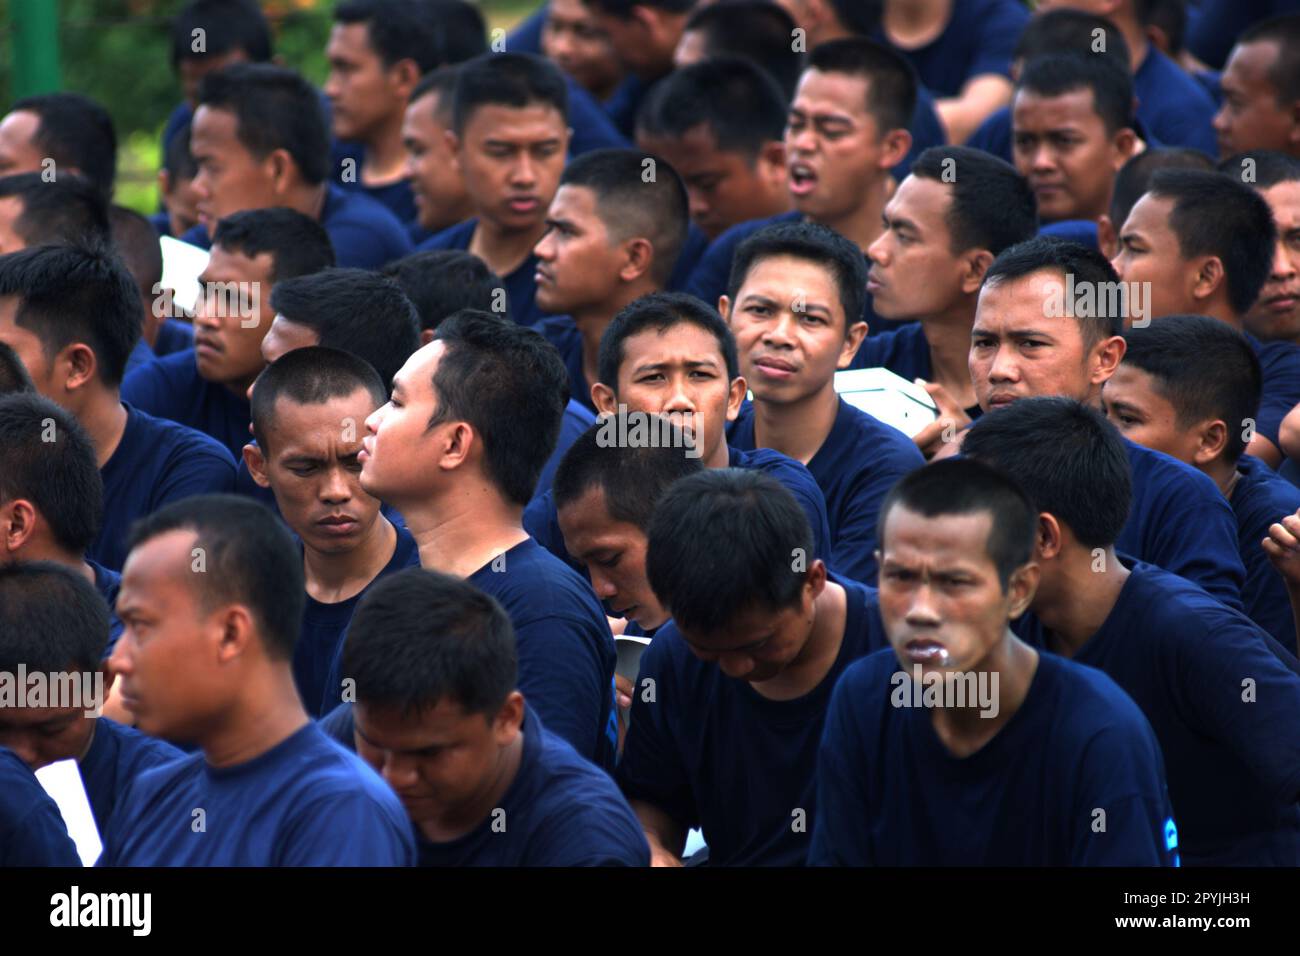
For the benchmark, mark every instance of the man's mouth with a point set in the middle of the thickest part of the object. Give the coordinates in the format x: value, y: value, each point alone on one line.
x: 923, y: 651
x: 1282, y: 302
x: 999, y: 399
x: 802, y: 179
x: 337, y: 524
x: 775, y: 368
x: 524, y: 204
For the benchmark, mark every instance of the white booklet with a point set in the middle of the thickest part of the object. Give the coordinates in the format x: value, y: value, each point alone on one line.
x: 182, y: 265
x: 887, y: 397
x: 62, y: 781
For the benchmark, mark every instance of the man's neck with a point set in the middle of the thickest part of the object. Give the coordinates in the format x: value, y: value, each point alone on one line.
x: 385, y: 158
x: 336, y: 577
x: 797, y: 429
x: 593, y: 322
x: 461, y: 530
x: 1085, y: 591
x: 267, y: 713
x: 908, y: 17
x: 464, y: 819
x: 308, y: 200
x: 104, y: 418
x: 805, y: 672
x: 1135, y: 36
x: 964, y: 730
x: 862, y: 225
x: 1223, y: 474
x: 38, y: 549
x: 948, y: 335
x: 504, y: 252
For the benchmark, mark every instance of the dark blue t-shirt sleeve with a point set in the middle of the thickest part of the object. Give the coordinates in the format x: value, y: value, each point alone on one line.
x: 926, y: 131
x: 1122, y: 806
x: 32, y: 832
x: 995, y: 39
x: 1281, y: 389
x: 198, y: 468
x: 148, y: 389
x: 853, y: 551
x: 709, y: 280
x: 591, y: 125
x: 346, y: 829
x: 527, y: 37
x: 841, y: 833
x: 563, y: 679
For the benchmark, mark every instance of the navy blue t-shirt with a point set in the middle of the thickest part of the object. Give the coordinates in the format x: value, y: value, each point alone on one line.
x: 158, y: 460
x: 520, y: 286
x: 172, y: 388
x: 562, y: 332
x: 1215, y: 690
x: 323, y: 627
x: 1173, y: 106
x: 32, y: 831
x: 711, y: 752
x: 117, y: 755
x: 1261, y: 498
x: 1279, y: 364
x: 593, y: 128
x: 577, y: 419
x: 890, y: 793
x: 1214, y: 25
x: 857, y: 464
x: 364, y: 234
x: 173, y: 336
x: 108, y: 583
x: 979, y: 38
x: 711, y: 276
x: 304, y: 802
x: 1180, y: 521
x: 542, y: 522
x: 396, y: 197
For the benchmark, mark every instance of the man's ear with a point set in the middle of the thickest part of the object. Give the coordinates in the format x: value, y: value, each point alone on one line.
x: 282, y: 170
x: 1125, y: 143
x: 603, y: 397
x: 1048, y: 538
x: 724, y: 308
x: 1107, y: 237
x: 509, y: 719
x: 736, y: 393
x: 1210, y: 277
x: 976, y: 264
x: 852, y: 342
x: 1108, y: 354
x: 1022, y: 587
x: 256, y: 464
x: 17, y: 524
x: 426, y: 336
x: 640, y: 259
x: 76, y: 366
x: 405, y: 74
x: 1211, y: 440
x: 897, y: 142
x: 236, y: 632
x: 771, y: 162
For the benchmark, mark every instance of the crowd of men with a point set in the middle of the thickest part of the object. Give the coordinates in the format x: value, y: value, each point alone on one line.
x: 515, y: 355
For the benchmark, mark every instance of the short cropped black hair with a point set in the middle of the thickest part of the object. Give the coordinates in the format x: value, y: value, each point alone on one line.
x: 396, y: 29
x: 661, y: 311
x: 739, y: 104
x: 1059, y: 73
x: 757, y: 30
x: 356, y: 311
x: 992, y: 205
x: 1087, y: 265
x: 963, y: 486
x: 310, y: 376
x: 441, y: 84
x: 859, y: 17
x: 13, y: 373
x: 891, y: 80
x: 76, y: 292
x: 1217, y: 215
x: 1072, y: 31
x: 275, y: 108
x: 1284, y: 74
x: 632, y: 478
x: 511, y: 386
x: 1069, y: 459
x: 517, y: 80
x: 420, y: 637
x: 75, y: 132
x: 461, y: 28
x: 623, y: 8
x: 813, y: 243
x: 1134, y: 177
x: 704, y: 585
x: 47, y: 458
x: 1267, y: 168
x: 227, y: 25
x: 298, y: 244
x: 52, y: 620
x: 1204, y: 368
x: 249, y: 559
x: 64, y: 210
x: 442, y: 281
x: 136, y: 241
x: 630, y: 207
x: 177, y: 158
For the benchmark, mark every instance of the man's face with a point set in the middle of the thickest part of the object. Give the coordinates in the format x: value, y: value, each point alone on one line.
x: 789, y: 326
x: 28, y: 346
x: 1276, y: 313
x: 679, y: 373
x: 1253, y: 116
x: 614, y: 552
x: 941, y: 602
x: 230, y: 178
x: 760, y: 643
x: 634, y: 45
x: 11, y: 210
x: 194, y: 69
x: 43, y: 735
x: 313, y: 469
x: 1061, y: 146
x: 182, y: 204
x: 363, y: 93
x: 724, y: 187
x: 1136, y: 407
x: 578, y: 261
x: 511, y: 158
x: 439, y: 759
x: 1148, y: 252
x: 914, y: 272
x: 833, y: 145
x: 169, y: 660
x: 285, y: 336
x: 431, y: 169
x: 1017, y: 351
x: 397, y: 460
x: 18, y: 150
x: 228, y: 331
x: 573, y: 39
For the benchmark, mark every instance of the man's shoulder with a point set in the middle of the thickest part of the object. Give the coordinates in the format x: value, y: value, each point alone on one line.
x: 1150, y: 465
x: 532, y: 582
x: 453, y: 237
x: 1262, y: 491
x: 164, y: 434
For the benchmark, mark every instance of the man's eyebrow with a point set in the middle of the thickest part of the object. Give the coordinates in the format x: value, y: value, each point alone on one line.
x: 899, y: 222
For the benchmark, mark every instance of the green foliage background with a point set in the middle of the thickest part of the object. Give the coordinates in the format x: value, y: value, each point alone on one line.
x: 118, y: 51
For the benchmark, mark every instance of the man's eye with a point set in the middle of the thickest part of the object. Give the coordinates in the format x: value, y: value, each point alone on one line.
x: 302, y: 472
